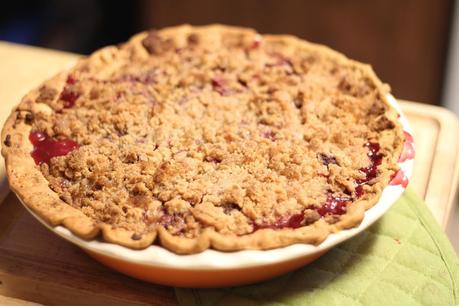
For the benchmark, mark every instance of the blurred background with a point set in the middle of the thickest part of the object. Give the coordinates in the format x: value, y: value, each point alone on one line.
x: 410, y: 43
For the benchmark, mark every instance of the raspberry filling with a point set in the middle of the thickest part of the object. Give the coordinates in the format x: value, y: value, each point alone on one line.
x: 45, y: 148
x: 399, y: 178
x: 168, y: 219
x: 293, y: 221
x: 69, y: 96
x: 372, y: 170
x: 334, y: 205
x: 408, y: 148
x: 220, y: 85
x: 327, y: 159
x: 256, y: 43
x: 269, y: 135
x: 71, y: 80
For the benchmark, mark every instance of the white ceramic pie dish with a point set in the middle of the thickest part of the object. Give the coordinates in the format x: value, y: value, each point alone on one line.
x: 212, y: 268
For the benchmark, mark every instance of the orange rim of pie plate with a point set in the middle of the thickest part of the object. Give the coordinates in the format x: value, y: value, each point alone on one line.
x: 212, y: 268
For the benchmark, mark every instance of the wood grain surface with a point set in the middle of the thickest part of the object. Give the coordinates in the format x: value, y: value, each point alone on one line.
x: 37, y: 266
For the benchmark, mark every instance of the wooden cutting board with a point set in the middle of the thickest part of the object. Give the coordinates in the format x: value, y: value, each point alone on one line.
x: 37, y: 266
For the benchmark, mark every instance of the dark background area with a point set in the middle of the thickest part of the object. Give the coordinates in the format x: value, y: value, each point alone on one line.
x: 405, y: 41
x: 79, y: 26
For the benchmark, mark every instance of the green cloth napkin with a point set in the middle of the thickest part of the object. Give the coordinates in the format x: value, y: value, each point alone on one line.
x: 403, y: 259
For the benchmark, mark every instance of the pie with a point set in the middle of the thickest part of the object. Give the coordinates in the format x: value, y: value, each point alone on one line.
x: 205, y: 137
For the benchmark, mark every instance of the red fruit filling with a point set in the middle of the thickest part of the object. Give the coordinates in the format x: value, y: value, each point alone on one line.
x: 69, y: 97
x: 327, y: 159
x: 334, y: 205
x: 399, y: 178
x: 256, y: 42
x: 293, y: 221
x: 220, y: 85
x: 372, y: 170
x: 45, y: 148
x: 407, y: 152
x: 408, y: 148
x: 269, y: 135
x: 359, y: 191
x: 176, y: 221
x: 408, y: 136
x: 71, y: 80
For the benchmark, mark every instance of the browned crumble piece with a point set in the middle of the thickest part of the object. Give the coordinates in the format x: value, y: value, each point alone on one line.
x: 7, y: 140
x: 47, y: 94
x: 136, y: 236
x: 155, y: 44
x: 193, y: 39
x: 28, y: 119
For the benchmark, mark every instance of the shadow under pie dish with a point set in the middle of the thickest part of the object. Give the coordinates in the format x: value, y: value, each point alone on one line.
x: 205, y: 137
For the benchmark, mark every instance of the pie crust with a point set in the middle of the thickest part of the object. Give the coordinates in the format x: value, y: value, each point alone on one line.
x: 205, y: 137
